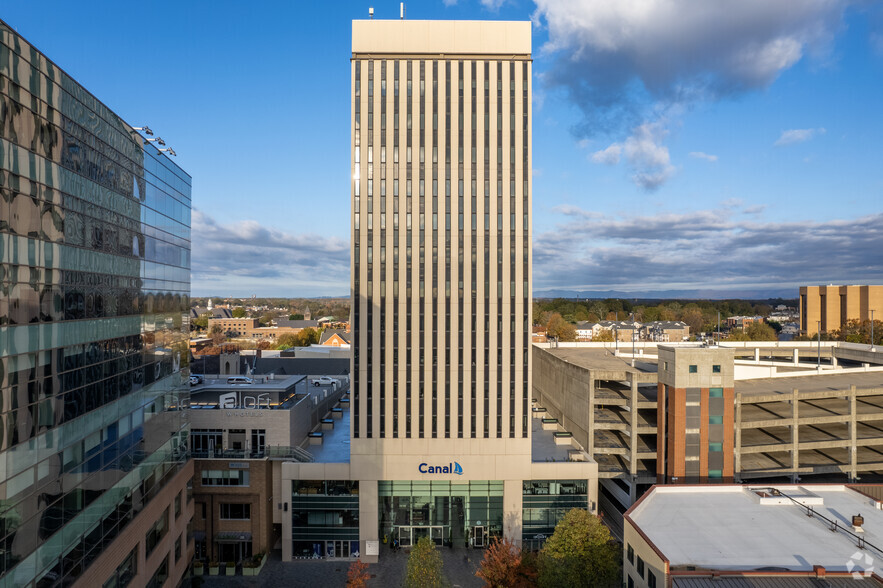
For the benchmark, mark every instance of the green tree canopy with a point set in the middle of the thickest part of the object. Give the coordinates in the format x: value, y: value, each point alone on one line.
x: 238, y: 312
x: 425, y: 566
x: 579, y: 553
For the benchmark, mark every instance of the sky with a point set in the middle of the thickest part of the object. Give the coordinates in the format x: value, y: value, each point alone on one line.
x: 717, y: 147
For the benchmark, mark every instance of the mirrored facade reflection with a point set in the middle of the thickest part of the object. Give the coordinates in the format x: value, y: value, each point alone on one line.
x: 94, y: 300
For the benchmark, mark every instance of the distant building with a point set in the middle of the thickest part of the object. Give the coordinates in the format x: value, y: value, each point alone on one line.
x: 830, y: 307
x: 741, y: 323
x: 665, y: 331
x: 334, y: 338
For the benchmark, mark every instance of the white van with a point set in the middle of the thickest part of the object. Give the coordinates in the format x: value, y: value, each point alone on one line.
x: 240, y: 380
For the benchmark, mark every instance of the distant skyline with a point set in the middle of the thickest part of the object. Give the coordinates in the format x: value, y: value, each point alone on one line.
x: 718, y: 147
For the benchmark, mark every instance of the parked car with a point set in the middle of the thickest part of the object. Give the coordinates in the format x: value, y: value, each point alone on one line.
x: 323, y: 381
x: 240, y: 380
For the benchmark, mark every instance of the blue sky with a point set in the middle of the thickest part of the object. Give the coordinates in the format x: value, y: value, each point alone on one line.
x: 724, y: 146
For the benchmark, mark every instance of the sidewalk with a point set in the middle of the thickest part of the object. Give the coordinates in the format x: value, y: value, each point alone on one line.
x: 460, y: 565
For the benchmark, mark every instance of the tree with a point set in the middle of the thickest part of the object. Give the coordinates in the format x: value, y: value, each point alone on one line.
x: 295, y: 317
x: 357, y: 576
x: 579, y: 553
x: 559, y: 328
x: 286, y: 340
x: 238, y: 312
x: 424, y: 566
x: 218, y: 336
x: 202, y: 321
x: 605, y: 336
x: 758, y: 331
x: 504, y: 566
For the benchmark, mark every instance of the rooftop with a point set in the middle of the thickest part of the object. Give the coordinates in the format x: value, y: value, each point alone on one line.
x: 335, y: 446
x: 732, y: 527
x: 811, y: 383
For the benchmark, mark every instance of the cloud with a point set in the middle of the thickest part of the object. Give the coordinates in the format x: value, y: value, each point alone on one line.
x: 621, y: 63
x: 493, y: 5
x: 701, y: 155
x: 609, y: 155
x: 241, y: 257
x: 705, y: 249
x: 449, y: 2
x: 797, y: 136
x: 646, y: 155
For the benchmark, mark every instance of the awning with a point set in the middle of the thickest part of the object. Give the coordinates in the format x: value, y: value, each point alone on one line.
x: 233, y: 537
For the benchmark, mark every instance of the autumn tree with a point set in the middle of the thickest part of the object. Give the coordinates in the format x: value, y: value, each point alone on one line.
x: 504, y: 566
x: 238, y: 312
x: 579, y: 553
x: 559, y: 328
x: 357, y: 576
x: 217, y: 334
x: 858, y: 331
x: 605, y: 336
x: 424, y: 566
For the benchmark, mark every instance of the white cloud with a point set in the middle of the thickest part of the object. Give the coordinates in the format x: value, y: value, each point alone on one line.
x: 623, y: 62
x: 610, y: 155
x: 449, y: 2
x: 648, y: 158
x: 792, y: 136
x: 493, y: 5
x: 701, y: 155
x: 241, y: 256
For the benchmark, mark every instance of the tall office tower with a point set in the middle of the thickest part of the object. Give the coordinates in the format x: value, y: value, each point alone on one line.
x: 441, y: 274
x: 94, y: 288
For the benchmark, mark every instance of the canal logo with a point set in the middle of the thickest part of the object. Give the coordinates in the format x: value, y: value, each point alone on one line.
x: 451, y: 468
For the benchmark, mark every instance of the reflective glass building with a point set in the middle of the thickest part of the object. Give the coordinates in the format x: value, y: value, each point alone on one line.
x: 94, y: 299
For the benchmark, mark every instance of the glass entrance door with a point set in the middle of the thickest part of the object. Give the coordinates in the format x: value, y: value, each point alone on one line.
x: 479, y: 536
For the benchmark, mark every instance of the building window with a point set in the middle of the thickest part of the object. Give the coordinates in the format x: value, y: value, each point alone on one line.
x: 715, y: 392
x: 716, y: 369
x: 161, y: 575
x: 631, y: 554
x: 178, y: 548
x: 651, y: 579
x: 715, y: 474
x: 177, y: 505
x: 694, y: 369
x: 157, y: 532
x: 665, y: 366
x: 235, y: 511
x: 641, y: 567
x: 224, y: 478
x: 715, y: 446
x: 631, y: 583
x: 715, y: 420
x: 125, y: 573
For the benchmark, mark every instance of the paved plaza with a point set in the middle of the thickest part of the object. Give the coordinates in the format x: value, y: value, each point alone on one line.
x: 460, y: 566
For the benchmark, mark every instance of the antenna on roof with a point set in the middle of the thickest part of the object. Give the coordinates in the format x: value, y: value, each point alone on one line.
x: 402, y: 11
x: 371, y: 12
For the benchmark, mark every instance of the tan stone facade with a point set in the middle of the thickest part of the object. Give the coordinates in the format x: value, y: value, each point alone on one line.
x: 830, y: 307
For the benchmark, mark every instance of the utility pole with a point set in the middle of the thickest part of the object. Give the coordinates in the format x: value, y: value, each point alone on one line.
x: 819, y: 333
x: 718, y: 327
x: 872, y: 328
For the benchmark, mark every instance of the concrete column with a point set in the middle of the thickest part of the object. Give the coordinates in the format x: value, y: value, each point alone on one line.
x: 737, y: 443
x: 513, y: 493
x: 368, y: 517
x: 853, y: 434
x: 796, y: 359
x: 633, y: 425
x: 757, y: 354
x: 833, y: 359
x: 795, y: 438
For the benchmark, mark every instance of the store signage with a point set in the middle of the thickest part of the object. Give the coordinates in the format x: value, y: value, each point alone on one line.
x: 238, y: 400
x: 451, y: 468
